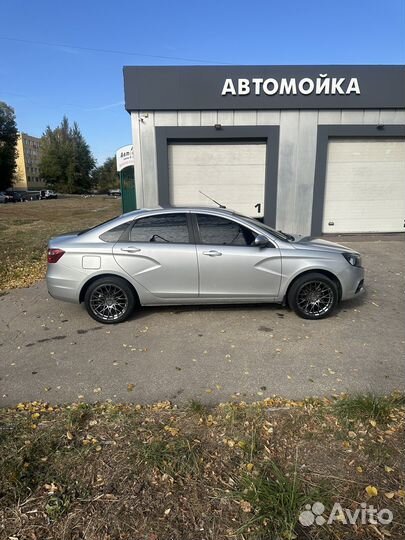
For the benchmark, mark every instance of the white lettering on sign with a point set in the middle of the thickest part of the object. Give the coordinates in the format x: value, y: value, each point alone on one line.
x: 305, y: 86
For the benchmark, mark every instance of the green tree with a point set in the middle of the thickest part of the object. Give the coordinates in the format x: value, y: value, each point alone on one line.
x: 66, y: 159
x: 8, y: 146
x: 106, y: 176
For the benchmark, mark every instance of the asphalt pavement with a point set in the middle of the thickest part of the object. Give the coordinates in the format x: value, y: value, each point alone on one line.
x: 54, y: 351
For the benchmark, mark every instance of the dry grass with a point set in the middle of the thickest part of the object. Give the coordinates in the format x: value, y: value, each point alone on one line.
x: 25, y: 229
x: 108, y: 471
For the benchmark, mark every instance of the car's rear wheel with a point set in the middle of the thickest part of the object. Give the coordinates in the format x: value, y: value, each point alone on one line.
x: 313, y: 296
x: 109, y: 300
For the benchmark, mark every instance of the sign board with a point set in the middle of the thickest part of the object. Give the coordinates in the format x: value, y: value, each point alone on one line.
x: 149, y: 88
x: 125, y: 157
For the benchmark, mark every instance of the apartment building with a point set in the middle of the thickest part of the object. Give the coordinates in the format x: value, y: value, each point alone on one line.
x: 29, y: 155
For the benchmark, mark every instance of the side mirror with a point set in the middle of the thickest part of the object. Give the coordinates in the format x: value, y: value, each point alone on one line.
x: 260, y: 241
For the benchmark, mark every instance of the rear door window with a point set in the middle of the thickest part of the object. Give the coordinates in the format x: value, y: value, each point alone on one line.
x: 161, y: 229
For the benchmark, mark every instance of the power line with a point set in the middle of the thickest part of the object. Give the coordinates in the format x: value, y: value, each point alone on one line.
x: 111, y: 51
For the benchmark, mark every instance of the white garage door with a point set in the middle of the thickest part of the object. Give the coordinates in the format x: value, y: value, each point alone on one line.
x: 365, y: 186
x: 232, y: 174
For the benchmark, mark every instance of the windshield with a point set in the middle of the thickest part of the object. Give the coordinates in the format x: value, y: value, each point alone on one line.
x: 278, y: 234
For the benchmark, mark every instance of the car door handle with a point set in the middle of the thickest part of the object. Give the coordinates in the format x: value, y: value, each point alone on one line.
x: 131, y: 249
x: 212, y: 253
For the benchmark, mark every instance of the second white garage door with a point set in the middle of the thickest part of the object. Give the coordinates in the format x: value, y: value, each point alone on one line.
x: 365, y: 186
x: 231, y: 173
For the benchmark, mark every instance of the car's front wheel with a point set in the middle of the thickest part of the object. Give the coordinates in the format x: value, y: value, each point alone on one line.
x: 109, y: 300
x: 313, y: 296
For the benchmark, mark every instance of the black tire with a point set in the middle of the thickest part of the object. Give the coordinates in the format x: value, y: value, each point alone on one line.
x: 109, y: 300
x: 313, y: 296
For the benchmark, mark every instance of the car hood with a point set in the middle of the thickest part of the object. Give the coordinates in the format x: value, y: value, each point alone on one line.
x: 307, y: 242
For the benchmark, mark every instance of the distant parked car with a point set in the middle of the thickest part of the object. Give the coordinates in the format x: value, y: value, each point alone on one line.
x: 47, y: 194
x: 32, y: 195
x: 3, y: 197
x: 14, y: 196
x: 114, y: 192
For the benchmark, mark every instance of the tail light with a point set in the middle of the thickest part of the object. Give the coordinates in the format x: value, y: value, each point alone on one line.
x: 54, y: 255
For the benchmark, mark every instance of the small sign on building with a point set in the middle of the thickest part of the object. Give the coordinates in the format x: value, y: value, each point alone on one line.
x: 125, y: 157
x: 125, y: 167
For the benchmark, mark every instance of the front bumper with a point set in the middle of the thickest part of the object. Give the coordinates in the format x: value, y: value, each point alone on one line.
x: 352, y: 281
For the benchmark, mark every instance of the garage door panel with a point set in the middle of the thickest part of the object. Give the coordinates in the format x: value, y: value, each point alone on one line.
x: 203, y: 154
x: 350, y: 150
x: 340, y: 208
x: 365, y: 186
x: 216, y: 175
x: 233, y: 174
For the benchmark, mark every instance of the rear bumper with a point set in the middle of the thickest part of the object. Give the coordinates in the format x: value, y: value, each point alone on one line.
x: 62, y: 289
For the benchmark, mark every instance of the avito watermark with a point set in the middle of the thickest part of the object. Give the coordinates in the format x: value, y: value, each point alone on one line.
x: 366, y: 514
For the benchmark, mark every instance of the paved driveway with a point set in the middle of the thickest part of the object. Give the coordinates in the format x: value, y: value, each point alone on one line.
x: 53, y: 351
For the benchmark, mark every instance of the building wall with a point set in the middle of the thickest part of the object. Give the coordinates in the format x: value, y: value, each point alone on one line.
x: 29, y: 156
x: 297, y: 150
x: 20, y: 181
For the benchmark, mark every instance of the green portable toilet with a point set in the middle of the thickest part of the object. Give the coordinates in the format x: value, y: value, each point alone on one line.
x: 125, y: 167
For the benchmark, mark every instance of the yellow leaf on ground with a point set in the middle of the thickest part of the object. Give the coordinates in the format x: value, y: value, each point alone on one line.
x: 388, y: 469
x: 245, y: 506
x: 389, y: 495
x: 249, y: 467
x: 371, y: 491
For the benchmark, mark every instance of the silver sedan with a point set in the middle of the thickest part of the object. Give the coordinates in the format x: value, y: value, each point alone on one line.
x: 198, y: 256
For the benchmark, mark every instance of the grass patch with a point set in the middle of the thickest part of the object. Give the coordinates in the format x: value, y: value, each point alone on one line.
x: 275, y: 498
x: 179, y: 456
x: 368, y: 407
x: 25, y: 229
x: 240, y: 472
x: 196, y: 407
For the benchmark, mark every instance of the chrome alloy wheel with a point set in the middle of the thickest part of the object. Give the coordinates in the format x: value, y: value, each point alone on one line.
x: 109, y: 302
x: 315, y: 298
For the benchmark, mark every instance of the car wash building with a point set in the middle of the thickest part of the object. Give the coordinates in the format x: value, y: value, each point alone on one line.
x: 309, y: 149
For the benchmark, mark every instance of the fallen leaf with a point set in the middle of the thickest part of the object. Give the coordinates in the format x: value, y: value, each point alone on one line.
x: 130, y: 387
x: 245, y: 506
x: 371, y: 491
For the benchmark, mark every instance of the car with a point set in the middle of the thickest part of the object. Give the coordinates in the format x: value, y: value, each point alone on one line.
x: 172, y: 256
x: 15, y: 196
x: 114, y: 192
x: 3, y: 197
x: 47, y: 194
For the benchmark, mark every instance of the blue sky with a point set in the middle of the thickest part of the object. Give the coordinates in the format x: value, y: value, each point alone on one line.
x: 43, y: 81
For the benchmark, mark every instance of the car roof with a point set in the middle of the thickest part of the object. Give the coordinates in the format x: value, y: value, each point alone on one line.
x: 169, y: 209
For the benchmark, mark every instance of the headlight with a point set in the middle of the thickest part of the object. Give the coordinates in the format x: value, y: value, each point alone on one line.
x: 352, y: 258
